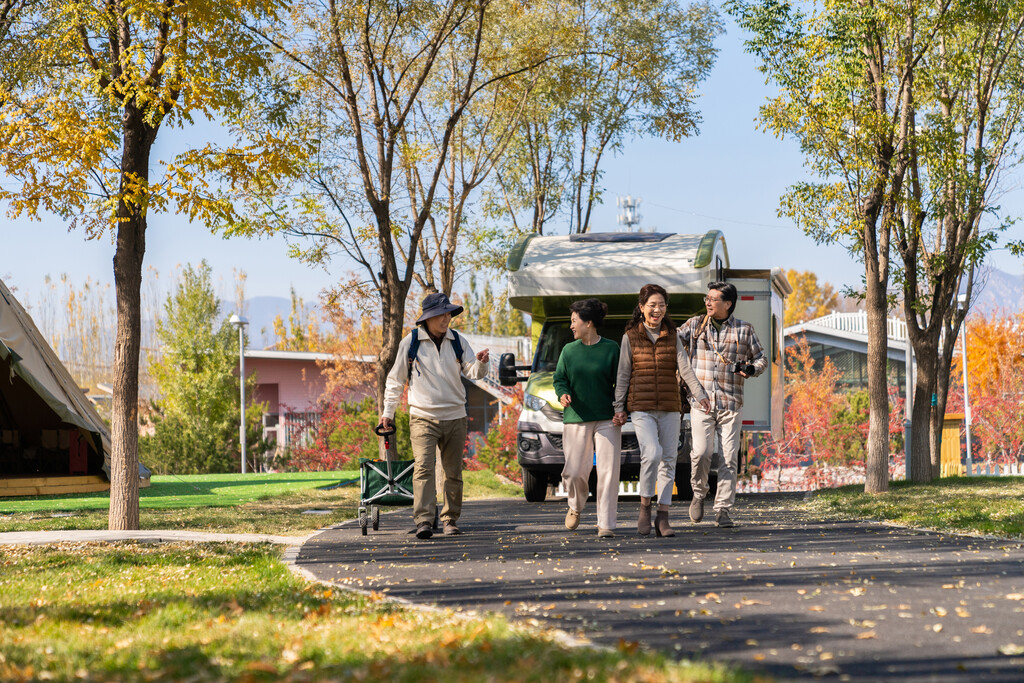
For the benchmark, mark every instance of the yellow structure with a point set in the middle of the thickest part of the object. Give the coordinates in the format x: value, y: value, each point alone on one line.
x: 951, y: 425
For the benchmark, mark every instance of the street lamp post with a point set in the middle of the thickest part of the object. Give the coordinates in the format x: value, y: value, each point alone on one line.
x: 962, y: 300
x: 240, y: 323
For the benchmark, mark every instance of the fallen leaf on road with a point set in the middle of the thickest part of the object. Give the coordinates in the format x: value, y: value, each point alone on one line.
x: 816, y: 608
x: 866, y: 635
x: 713, y: 596
x: 961, y: 612
x: 983, y: 630
x: 628, y: 646
x: 1011, y: 649
x: 1015, y: 596
x: 940, y: 611
x: 937, y: 627
x: 818, y: 629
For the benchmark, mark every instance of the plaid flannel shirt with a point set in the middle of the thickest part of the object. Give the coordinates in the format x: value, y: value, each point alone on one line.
x: 714, y: 353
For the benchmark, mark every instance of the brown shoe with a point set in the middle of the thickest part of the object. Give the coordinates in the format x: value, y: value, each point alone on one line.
x: 696, y: 509
x: 661, y: 527
x: 605, y: 533
x: 572, y: 519
x: 451, y: 530
x: 643, y: 522
x: 723, y: 520
x: 423, y: 531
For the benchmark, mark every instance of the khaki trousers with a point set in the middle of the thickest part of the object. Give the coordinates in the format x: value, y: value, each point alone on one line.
x: 657, y: 431
x: 703, y: 428
x: 432, y: 440
x: 582, y: 442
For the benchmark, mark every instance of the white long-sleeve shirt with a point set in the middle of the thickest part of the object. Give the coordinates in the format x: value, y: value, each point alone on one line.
x: 435, y: 391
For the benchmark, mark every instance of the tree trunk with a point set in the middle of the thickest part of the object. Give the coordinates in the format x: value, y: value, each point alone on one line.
x: 921, y: 469
x: 128, y: 256
x: 393, y: 293
x: 877, y: 465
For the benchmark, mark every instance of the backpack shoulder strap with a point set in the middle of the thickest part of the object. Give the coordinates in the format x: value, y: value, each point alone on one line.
x: 414, y: 347
x: 457, y: 346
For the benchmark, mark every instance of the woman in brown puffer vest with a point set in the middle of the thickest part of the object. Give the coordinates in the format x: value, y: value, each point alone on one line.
x: 651, y: 362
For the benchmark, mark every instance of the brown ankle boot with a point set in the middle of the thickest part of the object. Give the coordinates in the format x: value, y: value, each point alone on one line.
x: 643, y: 522
x: 661, y: 527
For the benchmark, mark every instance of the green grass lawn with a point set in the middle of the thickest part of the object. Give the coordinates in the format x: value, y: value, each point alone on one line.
x: 225, y: 503
x: 227, y: 612
x: 978, y: 505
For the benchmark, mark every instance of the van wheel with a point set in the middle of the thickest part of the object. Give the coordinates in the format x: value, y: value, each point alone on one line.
x: 535, y: 486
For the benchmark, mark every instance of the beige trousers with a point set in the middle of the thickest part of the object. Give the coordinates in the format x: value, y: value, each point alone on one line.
x: 432, y: 440
x: 583, y: 442
x: 703, y: 428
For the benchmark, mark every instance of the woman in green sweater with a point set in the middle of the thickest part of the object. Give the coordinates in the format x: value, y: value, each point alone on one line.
x: 585, y: 383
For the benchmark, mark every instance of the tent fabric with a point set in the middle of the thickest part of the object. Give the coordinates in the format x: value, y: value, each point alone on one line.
x: 31, y: 359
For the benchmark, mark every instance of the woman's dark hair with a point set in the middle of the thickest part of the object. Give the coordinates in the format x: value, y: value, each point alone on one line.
x: 728, y: 292
x: 590, y: 311
x: 646, y: 292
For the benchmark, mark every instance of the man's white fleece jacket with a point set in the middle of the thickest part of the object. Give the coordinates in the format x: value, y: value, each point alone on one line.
x: 435, y: 389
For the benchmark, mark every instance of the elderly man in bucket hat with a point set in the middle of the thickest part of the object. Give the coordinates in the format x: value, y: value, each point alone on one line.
x: 432, y: 359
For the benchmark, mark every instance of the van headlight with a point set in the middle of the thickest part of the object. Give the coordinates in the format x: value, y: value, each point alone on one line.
x: 534, y: 402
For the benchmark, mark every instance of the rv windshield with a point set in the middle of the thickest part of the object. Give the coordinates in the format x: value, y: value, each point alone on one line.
x: 556, y: 334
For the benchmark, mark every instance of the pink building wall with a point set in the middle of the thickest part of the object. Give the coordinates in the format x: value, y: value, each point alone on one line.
x: 286, y: 385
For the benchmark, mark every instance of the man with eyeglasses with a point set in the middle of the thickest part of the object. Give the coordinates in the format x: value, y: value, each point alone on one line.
x: 724, y: 351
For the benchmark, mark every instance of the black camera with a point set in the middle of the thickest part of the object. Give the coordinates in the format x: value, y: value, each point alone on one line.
x: 745, y: 368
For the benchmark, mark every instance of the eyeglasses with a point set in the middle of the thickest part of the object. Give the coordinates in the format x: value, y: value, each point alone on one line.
x: 709, y: 300
x: 654, y: 306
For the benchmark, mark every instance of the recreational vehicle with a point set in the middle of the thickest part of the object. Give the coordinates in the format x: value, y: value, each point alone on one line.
x: 547, y: 273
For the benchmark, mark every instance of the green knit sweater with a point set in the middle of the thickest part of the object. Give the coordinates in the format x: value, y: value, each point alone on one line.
x: 587, y: 374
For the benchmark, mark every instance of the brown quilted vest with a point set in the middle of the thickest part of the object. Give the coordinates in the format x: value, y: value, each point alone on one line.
x: 653, y: 384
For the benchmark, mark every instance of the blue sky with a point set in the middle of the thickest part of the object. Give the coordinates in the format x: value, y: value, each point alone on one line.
x: 728, y: 178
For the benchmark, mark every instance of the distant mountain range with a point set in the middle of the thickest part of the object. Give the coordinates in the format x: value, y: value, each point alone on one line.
x: 998, y: 291
x: 261, y: 311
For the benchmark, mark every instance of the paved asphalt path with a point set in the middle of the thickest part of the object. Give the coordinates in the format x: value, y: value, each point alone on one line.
x: 781, y: 593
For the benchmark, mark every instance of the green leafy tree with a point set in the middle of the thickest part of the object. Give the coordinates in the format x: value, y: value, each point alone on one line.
x: 907, y: 111
x: 195, y: 420
x: 845, y: 72
x: 78, y: 134
x: 385, y: 89
x: 969, y: 115
x: 633, y: 69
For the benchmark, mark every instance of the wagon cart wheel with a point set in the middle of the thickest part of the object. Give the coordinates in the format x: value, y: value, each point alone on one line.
x: 362, y: 520
x: 437, y: 517
x: 375, y: 516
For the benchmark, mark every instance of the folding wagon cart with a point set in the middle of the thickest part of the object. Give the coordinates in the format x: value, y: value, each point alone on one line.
x: 384, y: 482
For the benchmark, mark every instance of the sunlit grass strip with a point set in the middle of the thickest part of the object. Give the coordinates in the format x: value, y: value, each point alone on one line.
x: 224, y: 490
x: 978, y: 505
x: 282, y: 513
x: 220, y: 612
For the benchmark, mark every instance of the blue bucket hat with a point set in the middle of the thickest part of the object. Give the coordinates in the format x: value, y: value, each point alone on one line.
x: 436, y: 304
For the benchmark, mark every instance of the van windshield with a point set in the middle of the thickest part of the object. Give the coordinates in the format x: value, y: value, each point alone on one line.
x: 556, y: 334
